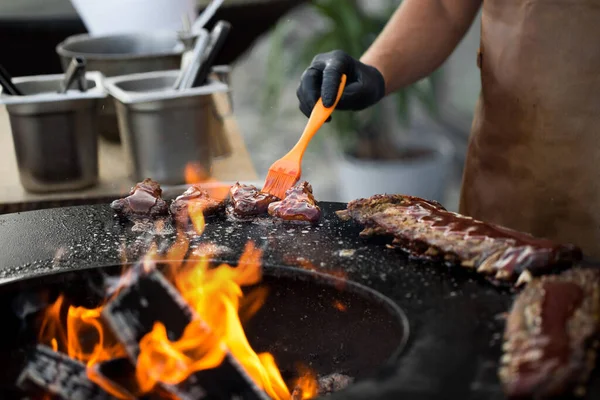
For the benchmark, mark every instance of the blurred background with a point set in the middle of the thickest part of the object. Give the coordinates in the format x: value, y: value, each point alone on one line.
x: 413, y: 142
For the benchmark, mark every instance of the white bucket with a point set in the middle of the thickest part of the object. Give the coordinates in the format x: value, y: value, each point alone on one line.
x: 107, y: 17
x: 422, y: 177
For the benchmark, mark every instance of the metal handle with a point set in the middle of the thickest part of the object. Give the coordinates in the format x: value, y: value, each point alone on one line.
x: 194, y: 62
x: 206, y: 15
x: 75, y: 72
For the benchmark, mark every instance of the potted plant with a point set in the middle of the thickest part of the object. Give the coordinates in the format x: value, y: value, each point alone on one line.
x: 385, y: 148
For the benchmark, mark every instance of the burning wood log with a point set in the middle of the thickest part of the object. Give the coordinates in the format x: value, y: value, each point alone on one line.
x: 149, y: 299
x: 325, y: 385
x: 119, y: 374
x: 58, y: 374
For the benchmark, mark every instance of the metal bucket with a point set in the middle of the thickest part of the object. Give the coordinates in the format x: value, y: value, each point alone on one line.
x: 123, y: 54
x: 164, y: 131
x: 55, y: 135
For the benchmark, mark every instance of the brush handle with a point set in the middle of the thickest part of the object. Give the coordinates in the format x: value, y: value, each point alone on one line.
x: 318, y: 116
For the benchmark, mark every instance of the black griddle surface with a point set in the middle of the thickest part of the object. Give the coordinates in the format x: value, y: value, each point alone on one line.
x: 456, y: 318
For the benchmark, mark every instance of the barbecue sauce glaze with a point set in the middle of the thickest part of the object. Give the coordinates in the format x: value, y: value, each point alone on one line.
x: 524, y: 250
x: 299, y: 205
x: 549, y: 335
x: 144, y: 200
x: 247, y: 201
x: 416, y: 221
x: 198, y: 198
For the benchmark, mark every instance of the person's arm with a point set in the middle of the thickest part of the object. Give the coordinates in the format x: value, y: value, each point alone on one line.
x: 418, y: 38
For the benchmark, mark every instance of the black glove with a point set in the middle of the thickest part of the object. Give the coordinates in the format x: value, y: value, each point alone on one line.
x: 365, y: 85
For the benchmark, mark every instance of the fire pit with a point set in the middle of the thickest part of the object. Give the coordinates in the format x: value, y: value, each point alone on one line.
x: 456, y: 319
x: 307, y: 320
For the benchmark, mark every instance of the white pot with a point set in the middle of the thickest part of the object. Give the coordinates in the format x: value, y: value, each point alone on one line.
x: 423, y: 177
x: 107, y: 17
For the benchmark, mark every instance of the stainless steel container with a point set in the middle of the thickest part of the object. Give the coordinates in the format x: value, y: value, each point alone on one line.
x: 123, y: 54
x: 164, y: 131
x: 55, y: 135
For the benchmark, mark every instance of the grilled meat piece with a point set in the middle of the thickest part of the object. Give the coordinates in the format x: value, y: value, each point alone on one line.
x: 144, y: 200
x: 551, y: 334
x: 246, y: 201
x: 299, y: 205
x: 197, y: 198
x: 426, y: 230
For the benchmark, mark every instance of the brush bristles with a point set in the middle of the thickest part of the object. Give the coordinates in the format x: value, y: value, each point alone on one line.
x: 277, y: 183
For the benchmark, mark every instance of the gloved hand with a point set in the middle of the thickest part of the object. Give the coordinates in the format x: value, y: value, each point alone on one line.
x: 365, y: 85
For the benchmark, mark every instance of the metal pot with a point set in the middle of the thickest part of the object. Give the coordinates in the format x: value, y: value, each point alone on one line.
x: 122, y: 54
x: 55, y: 134
x: 164, y: 130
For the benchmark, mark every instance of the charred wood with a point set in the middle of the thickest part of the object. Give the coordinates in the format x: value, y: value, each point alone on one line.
x: 333, y: 383
x: 147, y: 299
x: 150, y: 298
x: 59, y: 375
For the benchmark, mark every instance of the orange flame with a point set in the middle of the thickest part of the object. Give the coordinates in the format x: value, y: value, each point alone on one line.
x: 216, y: 297
x: 84, y: 339
x: 214, y: 293
x: 195, y: 173
x: 161, y: 360
x: 197, y: 216
x: 306, y: 386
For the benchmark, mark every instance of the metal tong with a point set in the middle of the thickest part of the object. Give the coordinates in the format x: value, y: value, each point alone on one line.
x: 206, y: 15
x: 203, y: 57
x: 75, y: 73
x: 192, y: 64
x: 6, y: 82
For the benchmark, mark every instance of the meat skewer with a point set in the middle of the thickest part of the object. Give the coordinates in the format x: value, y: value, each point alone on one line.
x: 425, y: 229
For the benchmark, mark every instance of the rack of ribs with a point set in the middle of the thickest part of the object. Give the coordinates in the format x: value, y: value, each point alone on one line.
x: 425, y: 229
x: 551, y: 336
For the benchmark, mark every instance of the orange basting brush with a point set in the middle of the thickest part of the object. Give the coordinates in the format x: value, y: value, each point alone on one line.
x: 286, y: 171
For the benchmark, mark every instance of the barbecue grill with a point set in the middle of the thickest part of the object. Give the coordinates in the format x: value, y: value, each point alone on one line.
x: 455, y: 317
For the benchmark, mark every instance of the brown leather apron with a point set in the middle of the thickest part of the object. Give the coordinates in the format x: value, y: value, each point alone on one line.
x: 533, y: 162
